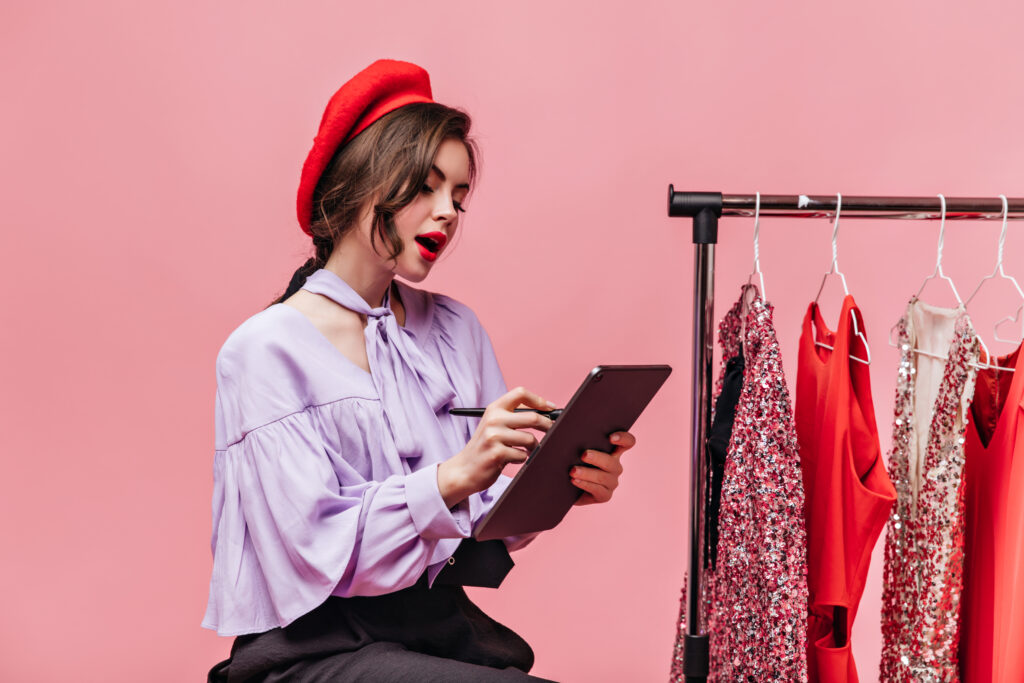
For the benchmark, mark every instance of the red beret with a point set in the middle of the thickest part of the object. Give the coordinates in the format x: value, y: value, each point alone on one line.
x: 382, y: 87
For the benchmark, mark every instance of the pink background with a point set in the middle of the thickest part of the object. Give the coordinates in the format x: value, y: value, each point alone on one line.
x: 149, y: 154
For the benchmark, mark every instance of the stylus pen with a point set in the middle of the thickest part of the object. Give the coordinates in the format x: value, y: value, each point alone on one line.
x: 479, y: 412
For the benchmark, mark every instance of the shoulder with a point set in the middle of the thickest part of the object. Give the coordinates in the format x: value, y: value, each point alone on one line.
x: 257, y: 342
x: 457, y: 312
x: 437, y: 314
x: 450, y: 318
x: 276, y: 363
x: 465, y: 349
x: 279, y: 357
x: 254, y: 384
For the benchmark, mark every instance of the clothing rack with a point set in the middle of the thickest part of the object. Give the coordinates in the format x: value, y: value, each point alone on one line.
x: 705, y: 208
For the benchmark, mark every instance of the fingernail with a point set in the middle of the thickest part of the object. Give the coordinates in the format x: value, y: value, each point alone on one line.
x: 551, y: 405
x: 616, y: 438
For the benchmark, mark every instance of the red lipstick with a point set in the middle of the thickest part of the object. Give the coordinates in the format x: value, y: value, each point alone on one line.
x: 431, y: 244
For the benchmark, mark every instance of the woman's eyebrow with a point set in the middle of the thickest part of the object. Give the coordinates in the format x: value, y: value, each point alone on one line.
x: 441, y: 175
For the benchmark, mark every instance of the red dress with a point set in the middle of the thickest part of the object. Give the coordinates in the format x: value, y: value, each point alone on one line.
x: 847, y: 489
x: 992, y: 606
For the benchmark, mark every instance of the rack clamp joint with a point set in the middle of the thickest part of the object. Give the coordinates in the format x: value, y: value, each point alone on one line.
x: 704, y: 207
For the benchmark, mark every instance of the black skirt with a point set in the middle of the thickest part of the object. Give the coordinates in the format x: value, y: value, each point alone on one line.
x: 418, y: 634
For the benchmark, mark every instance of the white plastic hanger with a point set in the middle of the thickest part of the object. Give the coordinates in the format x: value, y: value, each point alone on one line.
x: 938, y: 260
x: 757, y: 249
x: 834, y: 270
x: 935, y: 273
x: 1018, y: 318
x: 1001, y: 273
x: 960, y: 304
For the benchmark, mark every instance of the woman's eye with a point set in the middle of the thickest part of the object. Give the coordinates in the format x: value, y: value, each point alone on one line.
x: 426, y: 188
x: 458, y: 207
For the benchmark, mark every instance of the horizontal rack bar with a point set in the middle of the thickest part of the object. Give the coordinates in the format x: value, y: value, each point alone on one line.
x: 824, y: 206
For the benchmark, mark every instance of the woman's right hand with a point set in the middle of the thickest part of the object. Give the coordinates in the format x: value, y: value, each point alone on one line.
x: 500, y: 439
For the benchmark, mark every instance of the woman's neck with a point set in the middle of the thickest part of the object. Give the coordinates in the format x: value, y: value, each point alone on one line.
x: 367, y: 279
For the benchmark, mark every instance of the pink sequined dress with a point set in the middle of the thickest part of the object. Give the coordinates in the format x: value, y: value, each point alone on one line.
x: 756, y: 596
x: 924, y: 544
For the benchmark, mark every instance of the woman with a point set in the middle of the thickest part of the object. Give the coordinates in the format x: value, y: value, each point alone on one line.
x: 345, y: 494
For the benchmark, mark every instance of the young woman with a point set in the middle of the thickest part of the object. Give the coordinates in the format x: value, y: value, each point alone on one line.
x: 345, y: 494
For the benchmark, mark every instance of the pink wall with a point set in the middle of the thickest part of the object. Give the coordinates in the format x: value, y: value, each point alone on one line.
x: 150, y: 154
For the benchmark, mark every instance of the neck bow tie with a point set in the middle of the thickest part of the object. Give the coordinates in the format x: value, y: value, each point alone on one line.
x: 412, y: 388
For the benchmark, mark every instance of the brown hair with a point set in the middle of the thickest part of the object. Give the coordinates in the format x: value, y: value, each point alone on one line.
x: 387, y: 164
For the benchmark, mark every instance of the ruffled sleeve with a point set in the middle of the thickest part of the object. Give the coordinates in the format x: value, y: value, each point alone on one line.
x: 295, y: 523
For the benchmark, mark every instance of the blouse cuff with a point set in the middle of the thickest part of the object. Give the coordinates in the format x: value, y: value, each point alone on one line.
x: 431, y: 518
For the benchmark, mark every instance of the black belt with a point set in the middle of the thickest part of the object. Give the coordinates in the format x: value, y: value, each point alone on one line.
x: 477, y: 563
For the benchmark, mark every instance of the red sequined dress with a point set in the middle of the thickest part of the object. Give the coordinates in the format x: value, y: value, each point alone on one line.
x: 924, y: 545
x: 756, y: 595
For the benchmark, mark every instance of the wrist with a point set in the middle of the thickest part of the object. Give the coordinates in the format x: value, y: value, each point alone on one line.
x: 451, y: 483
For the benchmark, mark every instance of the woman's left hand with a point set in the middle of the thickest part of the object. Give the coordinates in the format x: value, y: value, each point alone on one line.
x: 598, y: 482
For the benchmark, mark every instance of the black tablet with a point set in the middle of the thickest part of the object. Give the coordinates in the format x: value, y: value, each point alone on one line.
x: 610, y: 400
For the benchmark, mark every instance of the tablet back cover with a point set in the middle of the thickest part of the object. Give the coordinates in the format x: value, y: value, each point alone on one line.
x: 610, y: 400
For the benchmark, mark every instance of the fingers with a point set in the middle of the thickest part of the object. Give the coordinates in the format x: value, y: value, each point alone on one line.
x: 598, y: 483
x: 605, y: 470
x: 498, y: 444
x: 514, y: 455
x: 623, y: 441
x: 607, y: 462
x: 520, y: 396
x: 518, y: 439
x: 528, y: 421
x: 600, y: 480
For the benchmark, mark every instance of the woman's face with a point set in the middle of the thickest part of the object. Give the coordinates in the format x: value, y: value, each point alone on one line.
x: 428, y: 224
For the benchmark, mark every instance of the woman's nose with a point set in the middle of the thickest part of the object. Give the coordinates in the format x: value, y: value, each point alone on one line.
x: 444, y: 208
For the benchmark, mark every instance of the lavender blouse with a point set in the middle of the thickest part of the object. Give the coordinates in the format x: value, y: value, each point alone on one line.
x: 325, y: 476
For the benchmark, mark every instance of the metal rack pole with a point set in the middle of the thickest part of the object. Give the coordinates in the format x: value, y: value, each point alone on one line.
x: 819, y: 206
x: 705, y: 208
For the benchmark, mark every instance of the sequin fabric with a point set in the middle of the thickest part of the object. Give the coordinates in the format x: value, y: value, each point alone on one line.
x: 924, y: 546
x: 755, y: 602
